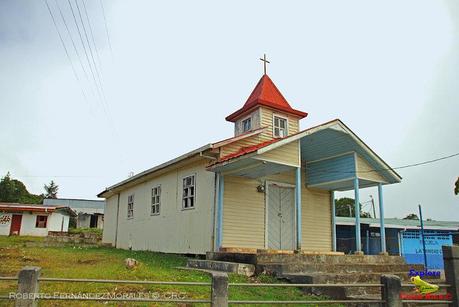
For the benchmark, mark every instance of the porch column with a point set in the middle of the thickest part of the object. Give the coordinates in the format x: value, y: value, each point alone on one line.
x: 358, y: 244
x: 332, y: 194
x: 381, y: 219
x: 219, y: 230
x: 298, y: 207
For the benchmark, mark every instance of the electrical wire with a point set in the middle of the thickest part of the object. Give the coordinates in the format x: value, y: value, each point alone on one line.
x: 72, y: 40
x: 388, y: 169
x: 66, y: 51
x: 106, y: 27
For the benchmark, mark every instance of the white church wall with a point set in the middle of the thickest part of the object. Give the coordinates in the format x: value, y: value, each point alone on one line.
x: 174, y: 230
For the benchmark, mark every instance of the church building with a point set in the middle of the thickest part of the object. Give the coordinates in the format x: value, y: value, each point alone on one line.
x: 269, y: 187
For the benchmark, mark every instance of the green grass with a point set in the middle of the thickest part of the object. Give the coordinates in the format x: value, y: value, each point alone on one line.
x: 108, y: 263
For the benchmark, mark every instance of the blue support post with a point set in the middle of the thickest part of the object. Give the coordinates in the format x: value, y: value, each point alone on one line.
x: 381, y: 219
x: 358, y: 243
x: 221, y: 189
x: 423, y: 238
x: 298, y: 207
x: 332, y: 195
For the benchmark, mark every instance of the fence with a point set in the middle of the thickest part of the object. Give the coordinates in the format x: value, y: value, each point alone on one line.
x: 29, y: 278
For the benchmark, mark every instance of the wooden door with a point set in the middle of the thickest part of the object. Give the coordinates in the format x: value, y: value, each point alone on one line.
x: 15, y: 225
x: 281, y: 217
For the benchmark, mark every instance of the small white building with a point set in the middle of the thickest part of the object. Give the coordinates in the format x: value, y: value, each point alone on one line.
x: 90, y: 213
x: 33, y: 220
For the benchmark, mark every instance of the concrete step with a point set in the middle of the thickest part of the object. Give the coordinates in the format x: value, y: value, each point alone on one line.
x: 339, y: 278
x: 329, y: 259
x: 232, y: 257
x: 222, y: 266
x: 348, y: 268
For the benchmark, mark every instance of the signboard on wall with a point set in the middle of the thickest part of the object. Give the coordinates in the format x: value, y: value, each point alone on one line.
x: 5, y: 219
x: 5, y: 223
x: 412, y: 248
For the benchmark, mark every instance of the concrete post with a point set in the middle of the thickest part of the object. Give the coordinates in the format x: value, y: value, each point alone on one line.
x: 390, y: 291
x: 27, y: 295
x: 451, y: 263
x: 219, y: 294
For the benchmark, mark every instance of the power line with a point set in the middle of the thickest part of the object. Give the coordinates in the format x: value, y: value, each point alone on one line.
x: 73, y: 42
x: 89, y: 46
x: 92, y: 36
x: 106, y: 27
x: 84, y: 48
x: 103, y: 97
x: 66, y: 51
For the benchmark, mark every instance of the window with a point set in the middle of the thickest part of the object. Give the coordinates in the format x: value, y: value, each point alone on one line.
x: 280, y: 127
x: 130, y: 207
x: 41, y: 221
x: 155, y: 200
x: 247, y: 124
x: 189, y: 192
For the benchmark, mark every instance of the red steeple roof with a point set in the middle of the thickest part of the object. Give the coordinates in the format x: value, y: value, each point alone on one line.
x: 266, y: 94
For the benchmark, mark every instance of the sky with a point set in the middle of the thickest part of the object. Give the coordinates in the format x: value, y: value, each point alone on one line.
x: 171, y: 71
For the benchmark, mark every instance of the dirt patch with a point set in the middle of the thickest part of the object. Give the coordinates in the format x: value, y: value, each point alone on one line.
x: 87, y: 261
x: 30, y: 259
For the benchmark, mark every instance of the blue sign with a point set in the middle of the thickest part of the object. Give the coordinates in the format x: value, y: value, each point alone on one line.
x: 413, y: 252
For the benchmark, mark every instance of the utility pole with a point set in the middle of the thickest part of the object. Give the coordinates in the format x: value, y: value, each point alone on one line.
x: 373, y: 205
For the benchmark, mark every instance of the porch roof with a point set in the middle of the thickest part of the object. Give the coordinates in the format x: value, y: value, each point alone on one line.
x: 331, y: 139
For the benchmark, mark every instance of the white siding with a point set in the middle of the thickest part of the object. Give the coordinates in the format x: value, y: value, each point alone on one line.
x: 58, y: 222
x: 174, y: 230
x: 110, y: 220
x: 28, y: 226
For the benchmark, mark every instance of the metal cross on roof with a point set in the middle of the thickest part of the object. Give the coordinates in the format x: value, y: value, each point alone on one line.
x: 264, y: 63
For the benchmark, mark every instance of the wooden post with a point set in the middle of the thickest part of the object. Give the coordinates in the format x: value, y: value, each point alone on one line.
x: 358, y: 243
x: 333, y: 203
x: 27, y: 295
x: 451, y: 263
x: 390, y: 291
x: 298, y: 207
x: 219, y: 295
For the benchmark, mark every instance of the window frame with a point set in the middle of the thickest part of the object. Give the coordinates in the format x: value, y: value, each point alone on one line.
x: 242, y: 124
x: 274, y: 127
x: 37, y: 222
x: 194, y: 190
x: 130, y: 216
x: 158, y: 205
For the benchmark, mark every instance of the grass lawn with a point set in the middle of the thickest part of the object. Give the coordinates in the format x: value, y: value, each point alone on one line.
x: 108, y: 263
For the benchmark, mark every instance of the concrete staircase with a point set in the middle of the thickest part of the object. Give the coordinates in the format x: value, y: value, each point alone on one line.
x: 324, y: 269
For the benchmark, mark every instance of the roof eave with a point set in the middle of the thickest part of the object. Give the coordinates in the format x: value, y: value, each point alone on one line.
x: 154, y: 169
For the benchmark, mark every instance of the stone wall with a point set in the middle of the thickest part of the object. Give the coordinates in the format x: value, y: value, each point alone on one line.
x: 74, y: 238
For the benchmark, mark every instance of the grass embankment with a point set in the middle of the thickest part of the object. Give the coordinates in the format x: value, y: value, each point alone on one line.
x: 108, y: 263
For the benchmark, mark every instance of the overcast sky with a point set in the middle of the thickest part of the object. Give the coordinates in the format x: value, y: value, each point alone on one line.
x: 388, y: 69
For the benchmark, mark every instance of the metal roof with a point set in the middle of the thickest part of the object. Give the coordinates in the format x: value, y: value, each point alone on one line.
x: 400, y: 223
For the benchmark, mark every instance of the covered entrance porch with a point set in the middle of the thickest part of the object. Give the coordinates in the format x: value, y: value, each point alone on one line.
x: 281, y: 196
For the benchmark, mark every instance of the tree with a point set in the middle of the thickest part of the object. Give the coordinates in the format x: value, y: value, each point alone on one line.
x: 411, y: 216
x: 51, y: 190
x: 14, y: 191
x: 456, y: 188
x: 345, y: 207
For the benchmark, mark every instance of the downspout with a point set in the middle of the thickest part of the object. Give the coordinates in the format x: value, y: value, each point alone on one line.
x: 117, y: 218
